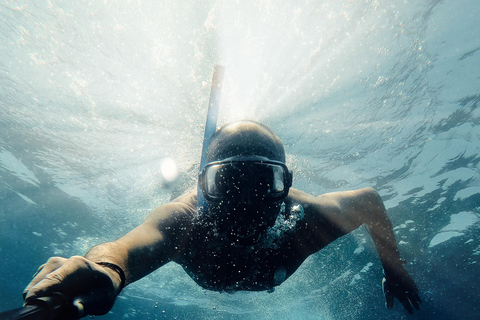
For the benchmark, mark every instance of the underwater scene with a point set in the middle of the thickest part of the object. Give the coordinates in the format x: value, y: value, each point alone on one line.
x: 102, y: 116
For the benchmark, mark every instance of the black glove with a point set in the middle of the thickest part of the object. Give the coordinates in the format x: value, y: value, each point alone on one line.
x: 397, y: 283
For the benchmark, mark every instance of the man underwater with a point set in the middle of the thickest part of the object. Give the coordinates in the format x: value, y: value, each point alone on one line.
x: 240, y: 240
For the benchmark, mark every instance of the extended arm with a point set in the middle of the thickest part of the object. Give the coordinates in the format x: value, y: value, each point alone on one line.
x: 154, y: 243
x: 92, y: 282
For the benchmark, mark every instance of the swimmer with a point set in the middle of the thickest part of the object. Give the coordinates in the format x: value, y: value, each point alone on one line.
x: 253, y: 234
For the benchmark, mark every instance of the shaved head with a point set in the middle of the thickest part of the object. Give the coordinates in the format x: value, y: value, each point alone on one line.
x: 245, y: 138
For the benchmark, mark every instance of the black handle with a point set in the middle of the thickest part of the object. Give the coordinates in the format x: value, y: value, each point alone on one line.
x: 44, y: 308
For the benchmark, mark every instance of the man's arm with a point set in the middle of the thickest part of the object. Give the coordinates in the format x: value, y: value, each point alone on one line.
x: 346, y: 211
x: 92, y: 282
x: 365, y: 207
x: 148, y: 246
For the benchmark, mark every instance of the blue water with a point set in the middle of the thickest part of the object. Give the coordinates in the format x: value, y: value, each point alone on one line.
x: 93, y: 95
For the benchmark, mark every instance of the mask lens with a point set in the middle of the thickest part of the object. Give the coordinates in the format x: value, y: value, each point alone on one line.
x: 223, y: 180
x: 278, y: 179
x: 267, y: 179
x: 257, y: 179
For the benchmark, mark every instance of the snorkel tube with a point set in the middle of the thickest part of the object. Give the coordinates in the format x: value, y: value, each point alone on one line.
x: 211, y: 125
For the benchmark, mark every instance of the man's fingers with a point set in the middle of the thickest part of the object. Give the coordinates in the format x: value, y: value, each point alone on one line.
x: 415, y: 300
x: 406, y: 304
x: 389, y: 300
x: 87, y: 286
x: 35, y: 279
x: 389, y: 297
x: 59, y: 275
x: 52, y: 282
x: 45, y: 269
x: 38, y: 270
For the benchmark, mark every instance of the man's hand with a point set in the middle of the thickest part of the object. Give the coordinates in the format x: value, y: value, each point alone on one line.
x: 87, y: 285
x: 397, y: 283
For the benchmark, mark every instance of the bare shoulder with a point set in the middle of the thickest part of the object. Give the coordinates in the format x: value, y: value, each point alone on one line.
x: 327, y: 217
x: 179, y: 212
x: 332, y: 199
x: 343, y: 210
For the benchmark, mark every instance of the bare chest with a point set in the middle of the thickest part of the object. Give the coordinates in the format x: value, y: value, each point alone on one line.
x: 233, y: 268
x: 216, y: 263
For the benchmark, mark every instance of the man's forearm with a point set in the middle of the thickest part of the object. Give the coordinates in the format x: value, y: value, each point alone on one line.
x: 109, y: 253
x: 380, y: 228
x: 386, y: 246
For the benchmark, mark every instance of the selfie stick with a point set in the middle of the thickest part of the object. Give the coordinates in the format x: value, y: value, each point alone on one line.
x: 211, y: 125
x: 44, y: 308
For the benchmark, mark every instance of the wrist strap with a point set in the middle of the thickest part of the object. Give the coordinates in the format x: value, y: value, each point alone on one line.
x: 118, y: 270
